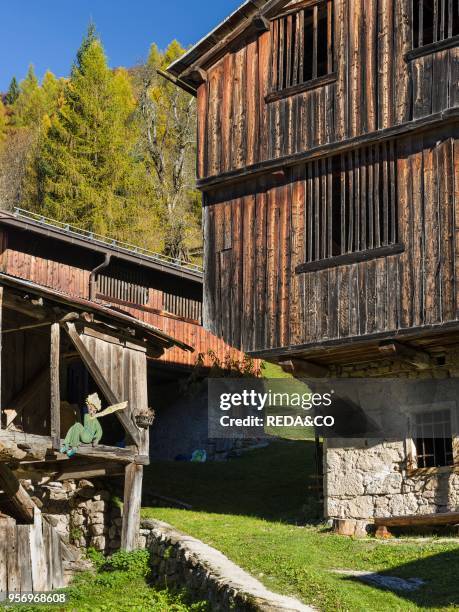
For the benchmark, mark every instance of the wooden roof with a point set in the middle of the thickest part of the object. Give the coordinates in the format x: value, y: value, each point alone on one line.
x: 116, y: 320
x: 217, y: 40
x: 29, y: 222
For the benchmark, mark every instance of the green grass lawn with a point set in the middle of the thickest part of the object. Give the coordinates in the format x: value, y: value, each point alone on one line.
x: 252, y: 509
x: 119, y: 584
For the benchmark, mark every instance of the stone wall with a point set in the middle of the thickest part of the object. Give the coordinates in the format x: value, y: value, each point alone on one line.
x: 364, y: 479
x: 183, y: 561
x: 82, y: 511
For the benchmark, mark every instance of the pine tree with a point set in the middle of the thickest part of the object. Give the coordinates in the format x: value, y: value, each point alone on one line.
x: 13, y: 92
x: 85, y: 166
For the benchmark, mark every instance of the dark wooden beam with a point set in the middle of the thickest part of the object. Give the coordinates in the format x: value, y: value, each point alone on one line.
x: 176, y: 82
x: 198, y: 76
x: 260, y: 23
x: 300, y: 368
x: 415, y: 357
x: 18, y: 498
x: 350, y: 258
x: 101, y: 381
x: 301, y: 87
x: 30, y: 448
x: 12, y: 302
x: 55, y: 392
x: 418, y: 126
x: 440, y: 45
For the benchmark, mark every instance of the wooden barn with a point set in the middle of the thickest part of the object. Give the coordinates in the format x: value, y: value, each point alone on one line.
x: 328, y: 159
x: 81, y: 314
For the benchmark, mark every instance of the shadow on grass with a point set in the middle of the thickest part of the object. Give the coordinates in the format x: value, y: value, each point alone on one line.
x: 269, y: 483
x: 440, y: 573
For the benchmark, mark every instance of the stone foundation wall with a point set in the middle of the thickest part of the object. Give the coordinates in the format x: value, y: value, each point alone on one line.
x: 81, y: 511
x: 364, y: 479
x: 183, y: 561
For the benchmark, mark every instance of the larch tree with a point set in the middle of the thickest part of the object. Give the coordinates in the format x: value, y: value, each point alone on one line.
x: 2, y: 122
x: 167, y: 119
x: 85, y: 161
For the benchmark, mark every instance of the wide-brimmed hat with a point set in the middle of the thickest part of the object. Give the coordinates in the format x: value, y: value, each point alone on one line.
x: 94, y: 400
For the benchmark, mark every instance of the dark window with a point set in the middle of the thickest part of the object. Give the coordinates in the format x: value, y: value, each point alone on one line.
x: 351, y: 202
x: 123, y: 285
x: 182, y: 307
x: 302, y: 45
x: 434, y: 442
x: 434, y: 21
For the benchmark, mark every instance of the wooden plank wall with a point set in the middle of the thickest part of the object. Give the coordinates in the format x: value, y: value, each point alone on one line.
x: 375, y: 88
x: 256, y: 300
x: 30, y: 557
x: 75, y: 281
x: 28, y: 354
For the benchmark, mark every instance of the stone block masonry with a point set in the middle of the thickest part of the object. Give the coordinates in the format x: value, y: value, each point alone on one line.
x: 183, y: 561
x: 366, y: 479
x: 82, y: 512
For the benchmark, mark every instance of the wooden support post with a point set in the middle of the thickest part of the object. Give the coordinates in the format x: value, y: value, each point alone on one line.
x: 22, y: 505
x: 131, y: 507
x: 55, y: 386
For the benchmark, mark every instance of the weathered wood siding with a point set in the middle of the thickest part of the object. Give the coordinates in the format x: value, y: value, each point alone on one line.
x: 31, y: 557
x: 255, y: 237
x: 375, y: 88
x: 25, y: 261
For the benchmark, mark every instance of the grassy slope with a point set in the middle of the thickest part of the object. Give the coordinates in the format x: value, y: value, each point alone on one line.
x: 238, y: 506
x: 121, y: 587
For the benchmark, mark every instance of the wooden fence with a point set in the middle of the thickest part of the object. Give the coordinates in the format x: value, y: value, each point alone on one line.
x: 30, y: 556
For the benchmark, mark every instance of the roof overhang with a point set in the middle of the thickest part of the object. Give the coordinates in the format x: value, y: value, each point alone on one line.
x: 47, y: 231
x: 92, y: 313
x: 204, y: 52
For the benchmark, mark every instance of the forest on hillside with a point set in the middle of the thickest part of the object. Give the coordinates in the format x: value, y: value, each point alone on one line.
x: 111, y: 151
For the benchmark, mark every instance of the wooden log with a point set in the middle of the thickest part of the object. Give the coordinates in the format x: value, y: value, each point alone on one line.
x: 32, y: 448
x: 102, y: 382
x: 131, y: 507
x: 19, y: 499
x: 442, y: 518
x: 55, y: 392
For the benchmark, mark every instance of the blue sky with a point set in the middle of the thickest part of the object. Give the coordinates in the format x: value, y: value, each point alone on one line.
x: 47, y: 33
